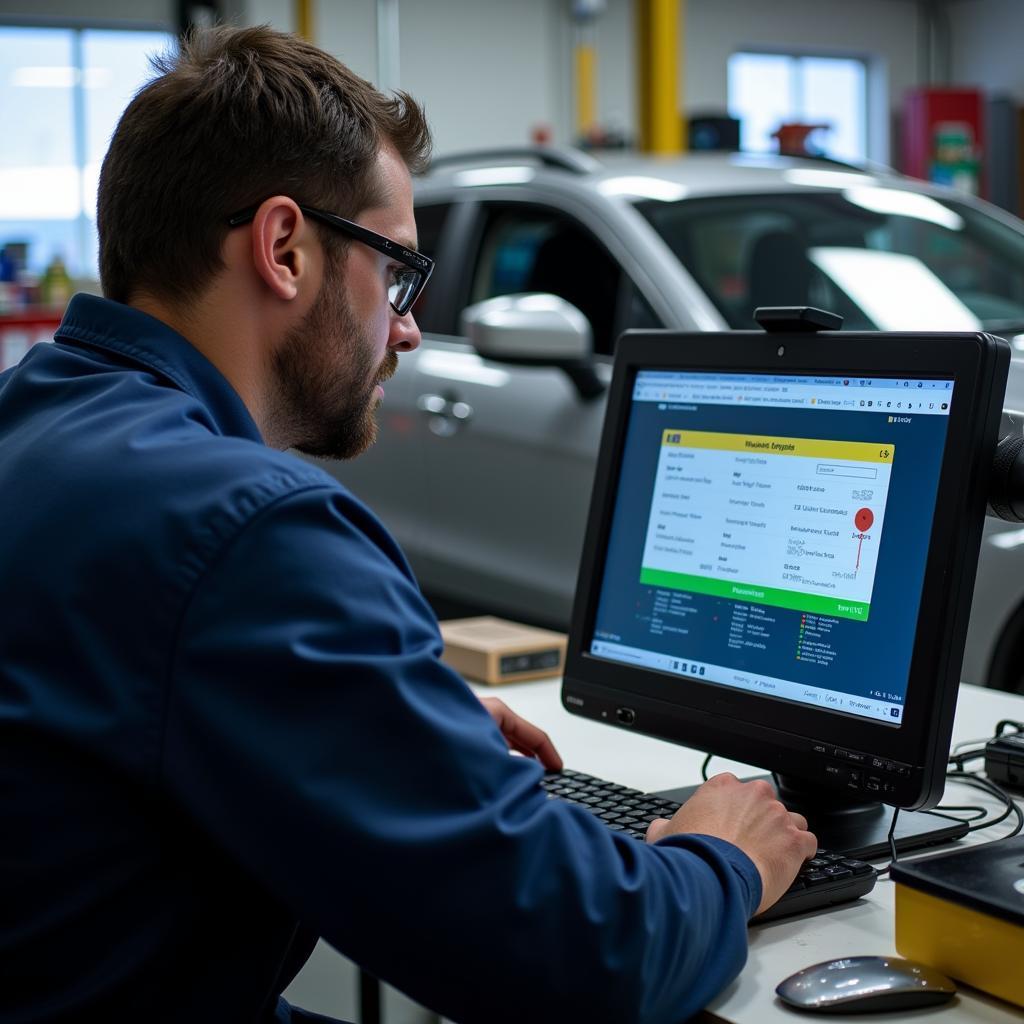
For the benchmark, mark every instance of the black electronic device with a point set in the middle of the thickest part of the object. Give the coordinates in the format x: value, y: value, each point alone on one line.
x: 780, y: 557
x: 1004, y: 755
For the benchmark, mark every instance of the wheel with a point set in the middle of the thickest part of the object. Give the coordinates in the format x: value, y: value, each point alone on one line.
x: 1006, y: 670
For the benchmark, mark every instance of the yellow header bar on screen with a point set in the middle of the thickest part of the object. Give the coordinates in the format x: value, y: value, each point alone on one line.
x: 759, y: 444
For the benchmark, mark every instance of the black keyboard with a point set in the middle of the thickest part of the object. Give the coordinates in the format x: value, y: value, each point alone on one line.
x: 825, y: 880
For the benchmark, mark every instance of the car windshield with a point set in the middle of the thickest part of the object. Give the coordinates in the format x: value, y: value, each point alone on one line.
x: 883, y: 258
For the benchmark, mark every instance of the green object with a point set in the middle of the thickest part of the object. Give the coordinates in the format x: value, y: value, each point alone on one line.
x: 736, y: 591
x: 55, y: 287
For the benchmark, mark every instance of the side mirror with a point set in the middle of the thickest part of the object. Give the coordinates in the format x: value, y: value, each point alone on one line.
x: 535, y: 330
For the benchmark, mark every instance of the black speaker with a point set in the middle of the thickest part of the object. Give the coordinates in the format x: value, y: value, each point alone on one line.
x: 714, y: 131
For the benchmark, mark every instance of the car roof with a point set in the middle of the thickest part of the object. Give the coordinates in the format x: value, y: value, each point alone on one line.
x: 634, y: 176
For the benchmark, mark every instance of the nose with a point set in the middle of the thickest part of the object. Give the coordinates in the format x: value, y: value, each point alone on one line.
x: 405, y: 333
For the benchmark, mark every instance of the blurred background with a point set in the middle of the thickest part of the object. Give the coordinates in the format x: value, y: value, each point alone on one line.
x: 931, y: 88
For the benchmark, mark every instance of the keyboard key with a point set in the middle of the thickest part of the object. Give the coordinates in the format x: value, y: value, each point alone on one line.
x: 837, y: 871
x: 814, y: 877
x: 858, y: 867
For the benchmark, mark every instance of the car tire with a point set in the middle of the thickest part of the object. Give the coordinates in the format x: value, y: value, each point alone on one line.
x: 1006, y: 670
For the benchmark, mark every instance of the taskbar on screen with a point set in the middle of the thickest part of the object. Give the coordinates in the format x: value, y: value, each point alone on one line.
x: 829, y: 700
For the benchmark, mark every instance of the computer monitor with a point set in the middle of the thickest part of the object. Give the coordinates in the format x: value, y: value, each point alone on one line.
x: 780, y: 557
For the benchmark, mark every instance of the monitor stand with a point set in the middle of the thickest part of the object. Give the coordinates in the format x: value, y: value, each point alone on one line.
x: 856, y: 828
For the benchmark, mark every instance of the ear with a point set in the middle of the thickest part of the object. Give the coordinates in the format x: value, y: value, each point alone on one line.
x: 282, y: 241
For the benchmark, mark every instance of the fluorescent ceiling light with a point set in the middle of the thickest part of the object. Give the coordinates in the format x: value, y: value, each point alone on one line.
x: 904, y: 204
x: 640, y: 186
x: 898, y: 292
x: 495, y: 176
x: 826, y: 179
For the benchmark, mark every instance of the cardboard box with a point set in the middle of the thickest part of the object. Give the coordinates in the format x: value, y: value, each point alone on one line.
x: 494, y: 651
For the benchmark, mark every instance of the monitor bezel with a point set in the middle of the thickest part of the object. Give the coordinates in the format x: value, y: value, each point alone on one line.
x: 731, y: 722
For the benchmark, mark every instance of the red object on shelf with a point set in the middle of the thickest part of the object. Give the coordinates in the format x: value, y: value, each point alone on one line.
x: 944, y: 137
x: 21, y: 330
x: 794, y: 138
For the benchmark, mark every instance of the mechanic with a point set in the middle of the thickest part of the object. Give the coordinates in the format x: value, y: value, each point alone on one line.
x: 224, y: 726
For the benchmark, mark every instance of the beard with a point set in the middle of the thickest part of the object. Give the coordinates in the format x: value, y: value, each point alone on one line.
x: 325, y: 396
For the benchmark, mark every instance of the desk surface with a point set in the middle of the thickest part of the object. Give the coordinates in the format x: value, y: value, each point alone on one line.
x: 782, y: 947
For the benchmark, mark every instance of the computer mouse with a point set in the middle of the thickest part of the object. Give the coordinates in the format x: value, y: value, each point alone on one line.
x: 865, y: 984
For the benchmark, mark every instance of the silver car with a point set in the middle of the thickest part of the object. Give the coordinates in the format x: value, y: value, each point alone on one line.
x: 489, y: 431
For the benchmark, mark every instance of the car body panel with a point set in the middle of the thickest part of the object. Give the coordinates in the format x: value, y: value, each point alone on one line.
x: 491, y: 506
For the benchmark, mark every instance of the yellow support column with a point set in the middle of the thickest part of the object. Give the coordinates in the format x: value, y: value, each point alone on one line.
x: 658, y: 35
x: 586, y: 86
x: 304, y: 19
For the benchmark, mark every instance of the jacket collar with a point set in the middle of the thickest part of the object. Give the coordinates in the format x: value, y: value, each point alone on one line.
x: 142, y: 339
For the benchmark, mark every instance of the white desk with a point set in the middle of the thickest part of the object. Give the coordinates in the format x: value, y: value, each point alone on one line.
x: 782, y: 947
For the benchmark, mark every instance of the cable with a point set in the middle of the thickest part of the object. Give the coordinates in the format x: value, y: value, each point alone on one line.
x: 959, y: 760
x: 990, y: 787
x: 1005, y: 723
x: 704, y: 768
x: 892, y: 843
x: 968, y: 743
x: 978, y: 812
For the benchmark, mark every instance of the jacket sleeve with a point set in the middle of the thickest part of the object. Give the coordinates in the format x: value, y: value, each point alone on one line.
x: 313, y: 732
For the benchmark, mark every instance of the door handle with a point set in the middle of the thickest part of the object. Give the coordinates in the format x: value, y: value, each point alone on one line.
x: 447, y: 414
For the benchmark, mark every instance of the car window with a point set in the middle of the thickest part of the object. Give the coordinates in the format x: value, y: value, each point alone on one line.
x: 531, y: 249
x: 832, y: 249
x: 430, y: 221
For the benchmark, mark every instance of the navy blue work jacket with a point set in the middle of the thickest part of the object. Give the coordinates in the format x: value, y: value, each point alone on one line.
x: 225, y: 729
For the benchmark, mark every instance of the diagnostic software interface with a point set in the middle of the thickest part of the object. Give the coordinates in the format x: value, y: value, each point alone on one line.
x: 770, y: 533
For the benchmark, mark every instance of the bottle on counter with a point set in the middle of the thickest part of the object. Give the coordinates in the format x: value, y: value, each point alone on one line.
x: 55, y: 286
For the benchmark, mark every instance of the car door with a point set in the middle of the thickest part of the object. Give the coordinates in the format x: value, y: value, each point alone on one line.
x: 509, y: 450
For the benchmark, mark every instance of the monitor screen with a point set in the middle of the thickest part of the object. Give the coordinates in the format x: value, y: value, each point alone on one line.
x: 780, y: 557
x: 770, y: 533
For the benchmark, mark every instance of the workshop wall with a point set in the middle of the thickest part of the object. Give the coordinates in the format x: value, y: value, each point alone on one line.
x: 490, y: 72
x: 986, y: 38
x: 882, y: 31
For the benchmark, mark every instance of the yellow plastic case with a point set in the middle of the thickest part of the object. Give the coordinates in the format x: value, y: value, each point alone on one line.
x: 963, y: 913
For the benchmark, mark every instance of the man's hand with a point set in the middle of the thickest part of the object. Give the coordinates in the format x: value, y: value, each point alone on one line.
x: 748, y: 815
x: 523, y: 736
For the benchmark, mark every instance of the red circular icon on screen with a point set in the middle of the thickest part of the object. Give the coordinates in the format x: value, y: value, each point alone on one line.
x: 864, y: 518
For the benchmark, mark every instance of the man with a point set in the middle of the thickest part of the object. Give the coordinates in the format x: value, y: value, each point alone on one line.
x: 224, y: 727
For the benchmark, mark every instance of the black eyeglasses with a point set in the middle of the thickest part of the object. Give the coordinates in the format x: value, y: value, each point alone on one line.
x: 406, y: 282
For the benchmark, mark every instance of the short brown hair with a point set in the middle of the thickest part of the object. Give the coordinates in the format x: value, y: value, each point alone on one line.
x: 236, y: 116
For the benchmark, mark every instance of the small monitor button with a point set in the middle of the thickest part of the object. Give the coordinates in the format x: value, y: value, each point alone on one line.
x: 627, y: 716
